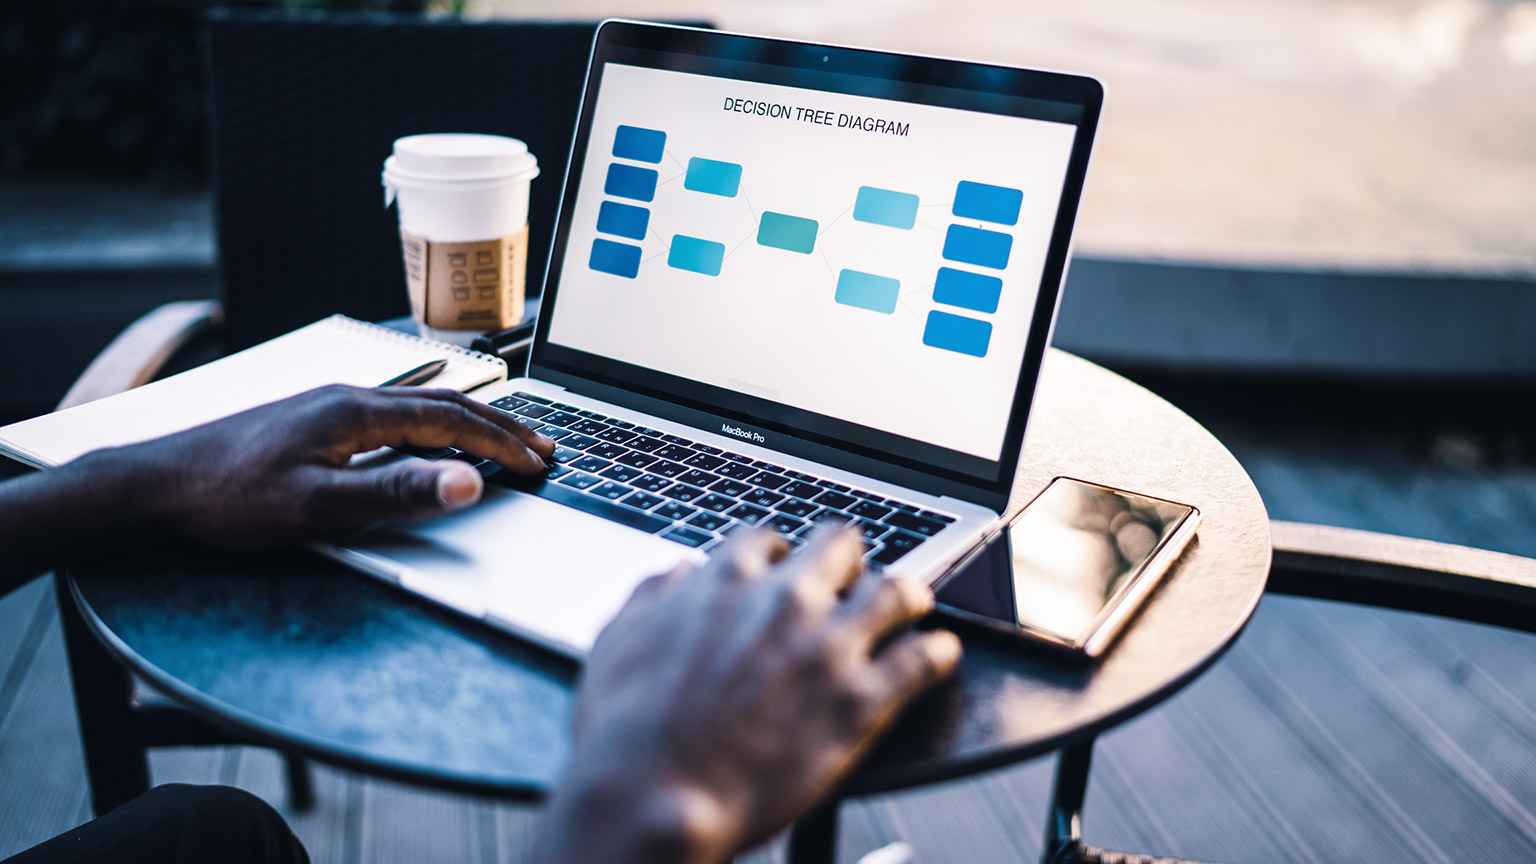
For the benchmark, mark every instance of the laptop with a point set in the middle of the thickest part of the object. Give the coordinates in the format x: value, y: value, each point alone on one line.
x: 790, y: 284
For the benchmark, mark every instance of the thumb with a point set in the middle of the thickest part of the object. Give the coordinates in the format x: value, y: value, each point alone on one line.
x: 406, y: 490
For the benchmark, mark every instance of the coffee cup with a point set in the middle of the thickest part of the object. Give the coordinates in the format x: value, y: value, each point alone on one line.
x: 462, y: 200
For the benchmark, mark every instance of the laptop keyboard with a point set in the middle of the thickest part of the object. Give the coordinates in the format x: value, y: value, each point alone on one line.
x: 692, y: 493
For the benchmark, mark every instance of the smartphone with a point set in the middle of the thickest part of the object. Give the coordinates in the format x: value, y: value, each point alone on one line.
x: 1072, y: 568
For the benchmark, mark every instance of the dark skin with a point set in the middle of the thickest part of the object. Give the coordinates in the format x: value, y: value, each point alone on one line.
x: 724, y: 701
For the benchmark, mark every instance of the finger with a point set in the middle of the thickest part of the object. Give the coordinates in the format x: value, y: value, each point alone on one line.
x: 881, y: 604
x: 912, y: 664
x: 661, y: 582
x: 748, y: 555
x: 833, y: 557
x: 540, y: 444
x: 380, y: 418
x: 341, y: 499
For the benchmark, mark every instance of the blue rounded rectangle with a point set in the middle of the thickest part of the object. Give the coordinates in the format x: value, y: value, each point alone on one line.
x: 884, y: 207
x: 641, y: 145
x: 714, y: 178
x: 629, y: 181
x: 791, y: 233
x: 958, y: 334
x: 699, y: 256
x: 618, y: 259
x: 977, y: 246
x: 867, y: 291
x: 967, y: 290
x: 625, y: 220
x: 988, y: 203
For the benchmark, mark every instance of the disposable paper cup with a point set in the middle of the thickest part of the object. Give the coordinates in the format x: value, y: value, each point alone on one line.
x: 463, y: 206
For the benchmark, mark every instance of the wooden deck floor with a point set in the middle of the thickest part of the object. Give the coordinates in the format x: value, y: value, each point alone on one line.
x: 1329, y: 733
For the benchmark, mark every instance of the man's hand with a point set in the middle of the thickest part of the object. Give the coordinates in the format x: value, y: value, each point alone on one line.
x: 725, y: 701
x: 278, y: 473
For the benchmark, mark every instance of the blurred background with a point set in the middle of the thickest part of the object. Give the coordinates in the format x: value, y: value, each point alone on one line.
x: 1309, y: 223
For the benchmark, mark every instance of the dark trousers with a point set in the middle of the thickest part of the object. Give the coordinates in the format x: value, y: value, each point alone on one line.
x: 178, y: 824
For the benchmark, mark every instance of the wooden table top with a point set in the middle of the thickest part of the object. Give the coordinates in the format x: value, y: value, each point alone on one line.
x: 295, y: 650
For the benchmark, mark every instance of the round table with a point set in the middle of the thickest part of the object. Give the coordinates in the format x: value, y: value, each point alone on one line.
x: 290, y: 649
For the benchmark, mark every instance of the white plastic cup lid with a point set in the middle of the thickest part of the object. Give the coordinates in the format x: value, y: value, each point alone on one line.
x: 458, y: 161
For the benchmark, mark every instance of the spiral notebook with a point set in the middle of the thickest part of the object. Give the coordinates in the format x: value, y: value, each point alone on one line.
x: 334, y: 350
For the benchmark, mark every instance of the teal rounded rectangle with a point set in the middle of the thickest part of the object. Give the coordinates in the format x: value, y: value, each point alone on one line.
x: 712, y: 177
x: 699, y: 256
x: 957, y: 333
x: 867, y: 291
x: 988, y: 203
x: 975, y: 291
x: 629, y: 181
x: 791, y: 233
x: 977, y: 246
x: 884, y: 207
x: 639, y: 144
x: 617, y: 259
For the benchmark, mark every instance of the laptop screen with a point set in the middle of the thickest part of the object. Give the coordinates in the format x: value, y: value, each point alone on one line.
x: 825, y: 249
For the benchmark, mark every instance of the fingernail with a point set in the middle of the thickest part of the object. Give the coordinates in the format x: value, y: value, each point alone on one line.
x: 458, y: 485
x: 547, y: 441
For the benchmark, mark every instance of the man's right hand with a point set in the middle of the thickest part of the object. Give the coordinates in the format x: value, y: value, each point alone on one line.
x: 725, y: 701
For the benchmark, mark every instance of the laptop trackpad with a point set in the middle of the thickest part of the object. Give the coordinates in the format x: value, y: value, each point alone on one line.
x: 546, y: 570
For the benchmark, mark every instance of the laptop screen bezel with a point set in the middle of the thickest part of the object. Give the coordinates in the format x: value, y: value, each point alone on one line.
x: 828, y: 440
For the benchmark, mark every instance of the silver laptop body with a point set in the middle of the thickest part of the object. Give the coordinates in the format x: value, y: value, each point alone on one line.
x: 789, y: 283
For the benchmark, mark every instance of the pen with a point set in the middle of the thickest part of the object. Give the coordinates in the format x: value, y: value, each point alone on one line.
x: 420, y: 375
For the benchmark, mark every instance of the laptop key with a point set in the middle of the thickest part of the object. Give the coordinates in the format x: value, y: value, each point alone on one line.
x: 606, y: 450
x: 621, y: 473
x: 871, y: 530
x: 578, y: 441
x: 610, y: 490
x: 650, y: 483
x: 830, y: 485
x: 622, y: 424
x: 579, y: 480
x: 705, y: 448
x: 913, y: 522
x: 730, y: 487
x: 532, y: 398
x: 588, y: 427
x: 591, y: 463
x: 748, y: 514
x: 534, y: 411
x: 565, y: 454
x: 561, y: 418
x: 636, y: 459
x: 683, y: 492
x: 801, y: 489
x: 675, y: 452
x: 641, y: 501
x: 831, y: 517
x: 565, y: 407
x: 688, y: 536
x: 555, y: 432
x: 801, y: 476
x: 674, y: 511
x: 644, y: 443
x: 762, y: 497
x: 834, y: 500
x: 705, y: 461
x: 509, y: 403
x: 668, y: 469
x: 870, y: 510
x: 701, y: 479
x: 614, y: 434
x: 591, y: 414
x: 784, y: 524
x: 767, y: 480
x: 796, y: 508
x: 676, y: 439
x: 716, y: 503
x: 646, y: 430
x: 898, y: 544
x: 929, y: 514
x: 709, y: 521
x: 736, y: 470
x: 556, y: 470
x: 737, y: 457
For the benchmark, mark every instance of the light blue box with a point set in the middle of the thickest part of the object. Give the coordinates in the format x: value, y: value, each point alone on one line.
x: 988, y: 203
x: 618, y: 259
x: 699, y: 256
x: 867, y: 291
x: 641, y: 145
x: 625, y: 220
x: 791, y: 233
x: 967, y: 290
x: 954, y: 333
x: 628, y: 181
x: 884, y: 207
x: 977, y: 246
x: 714, y: 178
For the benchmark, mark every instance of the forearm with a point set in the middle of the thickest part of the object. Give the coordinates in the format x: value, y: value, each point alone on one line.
x: 612, y: 822
x: 51, y: 517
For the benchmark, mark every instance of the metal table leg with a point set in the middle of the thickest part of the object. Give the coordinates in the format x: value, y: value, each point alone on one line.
x: 813, y: 839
